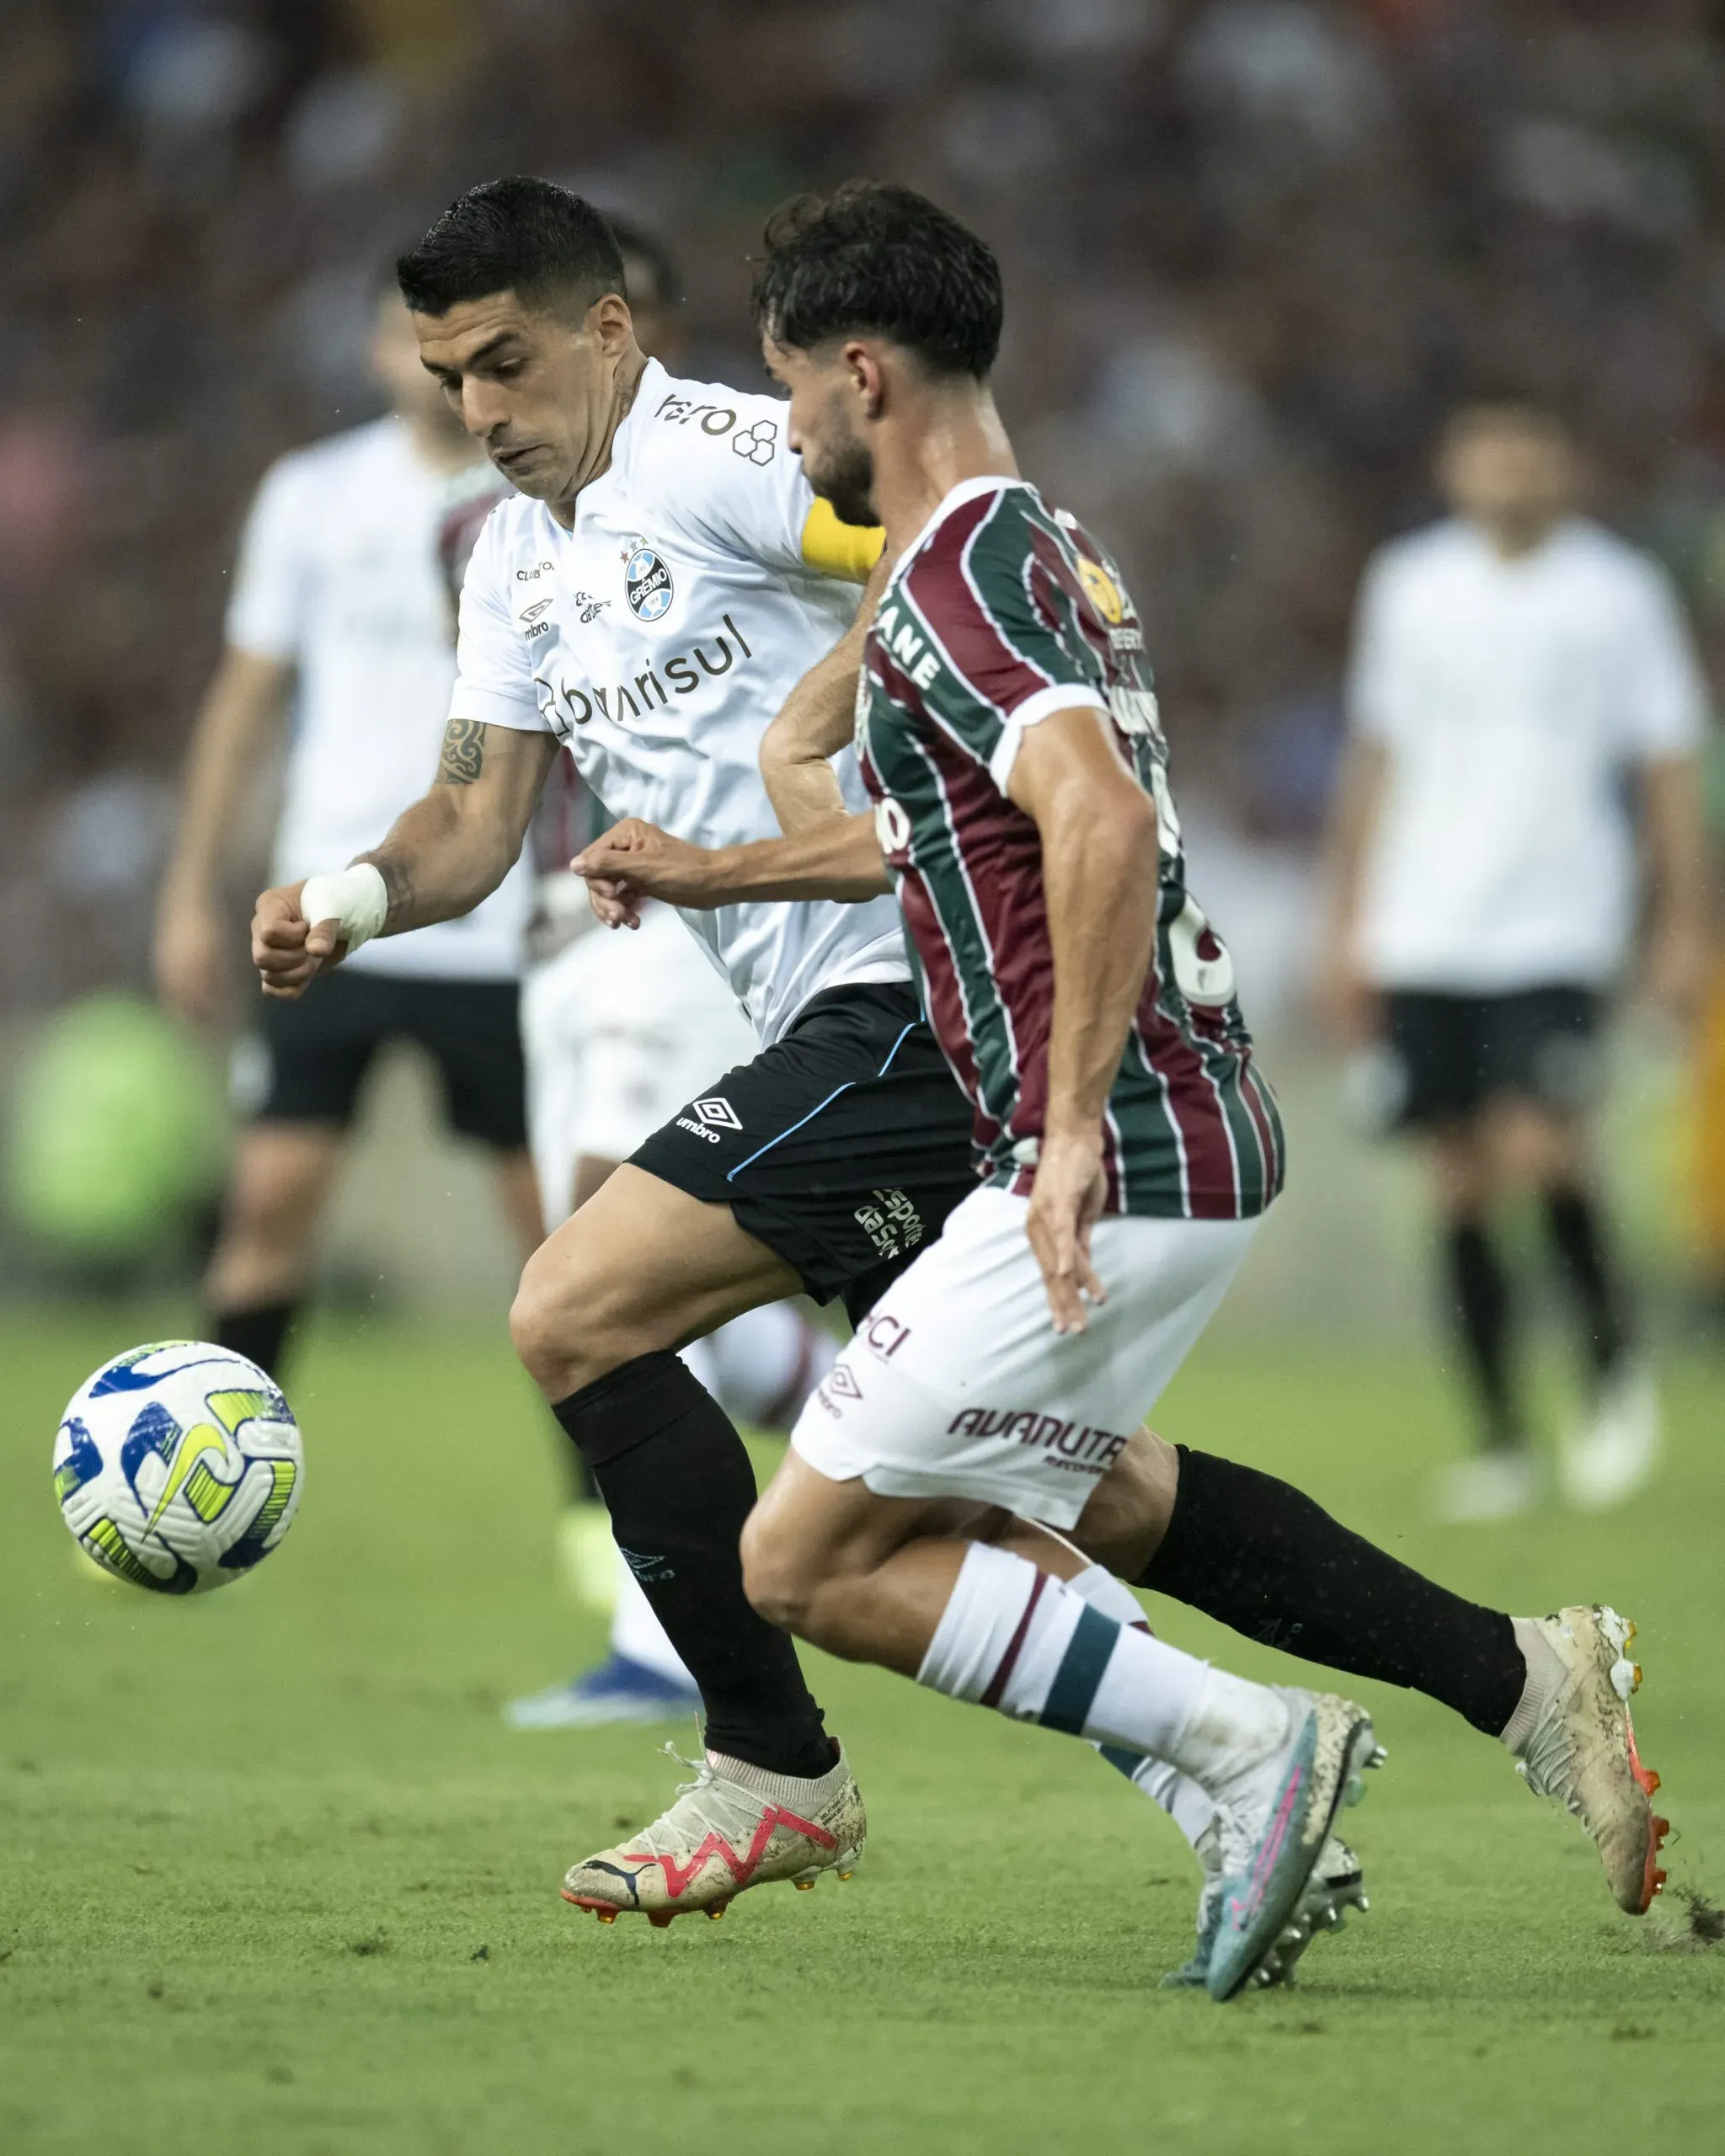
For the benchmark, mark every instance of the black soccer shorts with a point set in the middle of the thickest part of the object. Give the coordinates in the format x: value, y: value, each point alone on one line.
x: 1452, y: 1054
x: 318, y: 1050
x: 842, y: 1147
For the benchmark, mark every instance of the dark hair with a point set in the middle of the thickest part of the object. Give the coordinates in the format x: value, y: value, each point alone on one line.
x: 880, y: 260
x: 528, y: 237
x: 642, y: 248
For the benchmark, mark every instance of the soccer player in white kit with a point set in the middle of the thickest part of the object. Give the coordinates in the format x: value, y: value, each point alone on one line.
x: 1526, y: 716
x: 664, y: 583
x: 339, y: 625
x: 617, y: 1034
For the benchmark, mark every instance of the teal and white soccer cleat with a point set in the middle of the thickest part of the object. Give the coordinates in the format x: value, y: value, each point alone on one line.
x: 1275, y: 1819
x: 1336, y: 1885
x: 734, y: 1827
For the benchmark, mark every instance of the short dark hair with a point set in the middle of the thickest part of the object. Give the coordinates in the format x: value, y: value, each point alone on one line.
x: 877, y: 260
x: 640, y: 248
x: 529, y: 236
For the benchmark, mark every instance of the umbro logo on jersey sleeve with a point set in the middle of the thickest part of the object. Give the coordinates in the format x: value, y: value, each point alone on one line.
x: 709, y: 1118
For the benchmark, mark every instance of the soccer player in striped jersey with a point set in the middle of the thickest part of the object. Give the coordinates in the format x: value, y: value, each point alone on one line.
x: 1010, y: 741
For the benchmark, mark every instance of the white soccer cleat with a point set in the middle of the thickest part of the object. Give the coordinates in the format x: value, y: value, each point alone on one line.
x: 1617, y: 1452
x: 1495, y: 1485
x: 734, y: 1826
x: 1581, y: 1750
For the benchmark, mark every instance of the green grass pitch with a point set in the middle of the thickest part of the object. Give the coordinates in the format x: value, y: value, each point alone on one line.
x: 274, y: 1878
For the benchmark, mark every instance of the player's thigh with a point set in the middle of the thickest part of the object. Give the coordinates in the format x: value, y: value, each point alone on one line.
x: 554, y: 1046
x: 657, y: 1042
x: 279, y: 1182
x: 1433, y: 1041
x: 304, y: 1061
x: 642, y: 1266
x: 956, y: 1384
x: 1541, y: 1056
x: 471, y: 1029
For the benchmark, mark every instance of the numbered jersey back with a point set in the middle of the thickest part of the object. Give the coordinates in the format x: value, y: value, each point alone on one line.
x: 1004, y: 611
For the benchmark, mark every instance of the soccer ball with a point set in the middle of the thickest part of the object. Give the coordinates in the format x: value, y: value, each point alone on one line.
x: 177, y: 1466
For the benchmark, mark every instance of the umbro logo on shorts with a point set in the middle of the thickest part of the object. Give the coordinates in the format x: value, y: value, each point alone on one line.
x: 843, y: 1384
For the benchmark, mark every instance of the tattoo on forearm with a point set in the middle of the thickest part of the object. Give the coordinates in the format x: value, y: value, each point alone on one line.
x: 463, y: 754
x: 397, y: 885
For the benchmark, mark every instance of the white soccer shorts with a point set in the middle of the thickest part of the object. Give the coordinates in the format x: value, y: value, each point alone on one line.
x: 621, y: 1029
x: 957, y: 1384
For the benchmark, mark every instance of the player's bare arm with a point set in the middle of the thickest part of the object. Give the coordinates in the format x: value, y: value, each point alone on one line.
x: 241, y: 710
x: 838, y: 857
x: 1673, y: 845
x: 1348, y: 1000
x: 815, y: 722
x: 1100, y: 873
x: 445, y: 853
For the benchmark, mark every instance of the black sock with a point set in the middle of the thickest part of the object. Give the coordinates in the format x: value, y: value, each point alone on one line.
x: 1259, y: 1556
x: 583, y: 1489
x: 678, y: 1480
x: 1480, y: 1300
x: 258, y: 1333
x: 1573, y: 1220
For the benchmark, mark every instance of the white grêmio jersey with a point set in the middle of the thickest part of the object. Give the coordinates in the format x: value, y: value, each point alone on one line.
x: 1514, y: 698
x: 658, y: 636
x: 339, y: 577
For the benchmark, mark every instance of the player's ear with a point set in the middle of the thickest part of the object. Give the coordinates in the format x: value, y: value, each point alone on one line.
x: 611, y: 324
x: 862, y: 365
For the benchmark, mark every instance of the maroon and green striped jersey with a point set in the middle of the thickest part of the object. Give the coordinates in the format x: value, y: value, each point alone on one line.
x: 1004, y: 611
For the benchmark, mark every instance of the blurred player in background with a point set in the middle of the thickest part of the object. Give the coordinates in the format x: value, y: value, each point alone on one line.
x: 1526, y: 717
x: 620, y: 1032
x: 339, y: 624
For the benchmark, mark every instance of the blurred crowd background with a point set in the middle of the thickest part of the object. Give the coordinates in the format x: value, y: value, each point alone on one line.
x: 1255, y: 250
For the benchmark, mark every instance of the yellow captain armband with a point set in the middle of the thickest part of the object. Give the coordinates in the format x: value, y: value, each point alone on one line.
x: 849, y: 551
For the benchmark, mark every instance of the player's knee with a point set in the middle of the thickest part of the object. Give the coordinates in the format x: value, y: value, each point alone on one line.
x: 778, y: 1585
x: 547, y: 1324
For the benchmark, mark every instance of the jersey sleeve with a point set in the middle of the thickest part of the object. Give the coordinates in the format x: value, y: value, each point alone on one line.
x: 985, y: 659
x: 493, y: 682
x: 1661, y: 696
x: 266, y: 612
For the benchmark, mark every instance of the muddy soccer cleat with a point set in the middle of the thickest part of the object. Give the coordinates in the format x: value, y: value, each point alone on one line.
x: 1336, y: 1885
x: 734, y: 1826
x: 1579, y: 1747
x: 1275, y: 1819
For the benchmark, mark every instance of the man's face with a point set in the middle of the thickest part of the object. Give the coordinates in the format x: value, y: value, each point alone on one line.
x: 535, y: 388
x: 826, y: 427
x: 1516, y: 481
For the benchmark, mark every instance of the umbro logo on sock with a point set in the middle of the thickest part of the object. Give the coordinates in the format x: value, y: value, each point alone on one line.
x: 643, y: 1567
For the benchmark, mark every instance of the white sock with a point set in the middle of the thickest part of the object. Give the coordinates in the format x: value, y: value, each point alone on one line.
x: 1190, y: 1806
x: 637, y: 1633
x: 767, y: 1362
x: 1013, y: 1638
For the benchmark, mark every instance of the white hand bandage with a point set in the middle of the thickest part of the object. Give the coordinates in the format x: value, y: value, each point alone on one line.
x: 357, y: 897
